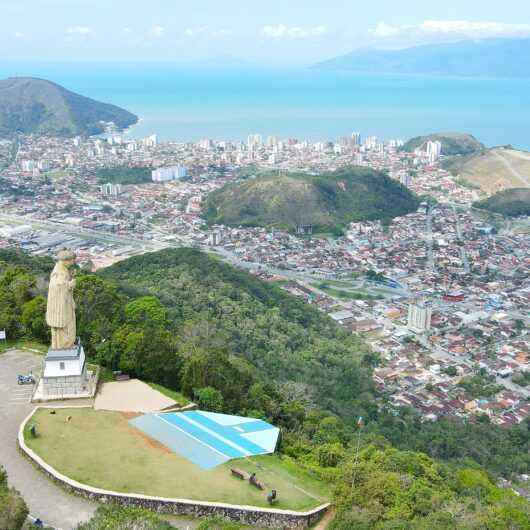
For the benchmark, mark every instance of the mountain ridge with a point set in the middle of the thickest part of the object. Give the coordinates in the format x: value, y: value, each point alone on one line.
x: 31, y: 105
x: 482, y: 58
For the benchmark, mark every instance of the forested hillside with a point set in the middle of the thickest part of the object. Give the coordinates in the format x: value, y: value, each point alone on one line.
x: 512, y: 203
x: 36, y: 106
x: 327, y: 202
x: 219, y: 315
x: 236, y: 344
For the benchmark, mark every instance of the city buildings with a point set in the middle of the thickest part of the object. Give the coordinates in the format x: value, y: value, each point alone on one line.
x: 167, y: 174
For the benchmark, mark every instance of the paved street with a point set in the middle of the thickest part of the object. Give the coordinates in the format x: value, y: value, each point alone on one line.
x: 45, y: 500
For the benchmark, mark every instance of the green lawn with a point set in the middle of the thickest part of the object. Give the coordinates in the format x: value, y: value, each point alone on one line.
x: 102, y: 449
x: 171, y: 394
x: 22, y: 345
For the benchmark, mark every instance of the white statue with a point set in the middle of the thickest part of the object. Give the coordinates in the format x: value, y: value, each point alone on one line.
x: 60, y: 312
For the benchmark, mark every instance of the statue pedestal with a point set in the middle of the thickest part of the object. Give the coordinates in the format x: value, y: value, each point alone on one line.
x: 65, y: 372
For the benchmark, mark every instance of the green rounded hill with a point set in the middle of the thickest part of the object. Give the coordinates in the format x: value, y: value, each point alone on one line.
x: 453, y: 143
x: 327, y: 202
x: 512, y: 203
x: 37, y: 106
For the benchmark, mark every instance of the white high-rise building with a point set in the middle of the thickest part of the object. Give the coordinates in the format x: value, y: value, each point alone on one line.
x: 111, y: 189
x: 28, y: 165
x: 150, y: 141
x: 254, y: 141
x: 206, y: 144
x: 272, y: 141
x: 370, y: 142
x: 419, y: 319
x: 405, y: 179
x: 166, y: 174
x: 433, y: 150
x: 356, y: 138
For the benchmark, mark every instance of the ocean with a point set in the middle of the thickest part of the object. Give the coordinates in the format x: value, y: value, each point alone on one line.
x: 187, y: 104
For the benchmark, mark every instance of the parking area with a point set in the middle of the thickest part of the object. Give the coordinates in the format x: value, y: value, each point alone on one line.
x: 13, y: 364
x: 45, y: 500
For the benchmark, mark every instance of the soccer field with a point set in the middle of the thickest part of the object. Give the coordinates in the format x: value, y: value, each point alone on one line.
x: 104, y: 450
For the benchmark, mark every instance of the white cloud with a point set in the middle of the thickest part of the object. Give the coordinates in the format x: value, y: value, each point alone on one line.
x: 19, y: 35
x: 474, y: 29
x: 205, y: 31
x: 221, y: 33
x: 81, y: 30
x: 157, y: 32
x: 384, y: 30
x: 452, y: 28
x: 281, y: 31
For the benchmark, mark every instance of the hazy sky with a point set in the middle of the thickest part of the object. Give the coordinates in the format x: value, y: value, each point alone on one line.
x: 258, y: 31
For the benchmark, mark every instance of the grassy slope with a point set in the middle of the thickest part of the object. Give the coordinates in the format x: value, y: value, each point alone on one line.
x: 494, y: 169
x: 101, y: 449
x: 171, y: 394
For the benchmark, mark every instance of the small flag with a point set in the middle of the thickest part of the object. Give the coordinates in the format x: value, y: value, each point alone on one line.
x: 360, y: 422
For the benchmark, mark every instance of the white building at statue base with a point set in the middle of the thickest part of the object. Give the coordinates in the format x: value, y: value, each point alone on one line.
x: 65, y: 375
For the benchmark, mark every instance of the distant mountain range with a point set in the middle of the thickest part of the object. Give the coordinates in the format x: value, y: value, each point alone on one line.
x: 486, y: 58
x: 37, y: 106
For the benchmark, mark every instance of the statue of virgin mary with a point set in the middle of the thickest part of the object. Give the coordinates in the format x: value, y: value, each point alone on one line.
x: 60, y: 311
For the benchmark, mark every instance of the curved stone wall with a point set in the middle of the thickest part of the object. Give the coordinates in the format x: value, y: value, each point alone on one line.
x: 250, y: 515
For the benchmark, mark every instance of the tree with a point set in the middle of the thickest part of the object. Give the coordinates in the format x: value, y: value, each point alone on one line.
x: 33, y: 317
x: 146, y: 311
x: 124, y: 518
x: 209, y: 398
x: 13, y: 509
x: 98, y: 310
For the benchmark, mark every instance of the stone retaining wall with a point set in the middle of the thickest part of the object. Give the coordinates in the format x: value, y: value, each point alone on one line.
x: 250, y: 515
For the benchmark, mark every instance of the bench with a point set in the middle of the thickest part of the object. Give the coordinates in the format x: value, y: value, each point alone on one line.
x: 239, y: 473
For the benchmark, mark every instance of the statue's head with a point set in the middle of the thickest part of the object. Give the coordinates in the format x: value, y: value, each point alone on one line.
x: 67, y: 256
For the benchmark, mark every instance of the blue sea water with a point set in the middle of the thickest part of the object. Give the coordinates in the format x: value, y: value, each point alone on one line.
x: 186, y: 104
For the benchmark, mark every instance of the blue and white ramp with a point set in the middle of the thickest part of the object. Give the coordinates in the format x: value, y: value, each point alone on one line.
x: 208, y: 439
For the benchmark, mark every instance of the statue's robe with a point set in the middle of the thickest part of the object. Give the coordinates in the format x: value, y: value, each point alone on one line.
x: 60, y: 311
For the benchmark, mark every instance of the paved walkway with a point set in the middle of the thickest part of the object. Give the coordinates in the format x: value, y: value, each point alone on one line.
x: 131, y: 396
x: 45, y: 500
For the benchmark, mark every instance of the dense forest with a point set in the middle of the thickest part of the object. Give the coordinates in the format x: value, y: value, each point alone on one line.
x: 124, y: 175
x: 511, y: 203
x: 236, y: 344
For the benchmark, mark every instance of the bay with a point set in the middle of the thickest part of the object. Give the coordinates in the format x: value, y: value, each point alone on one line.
x: 187, y: 104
